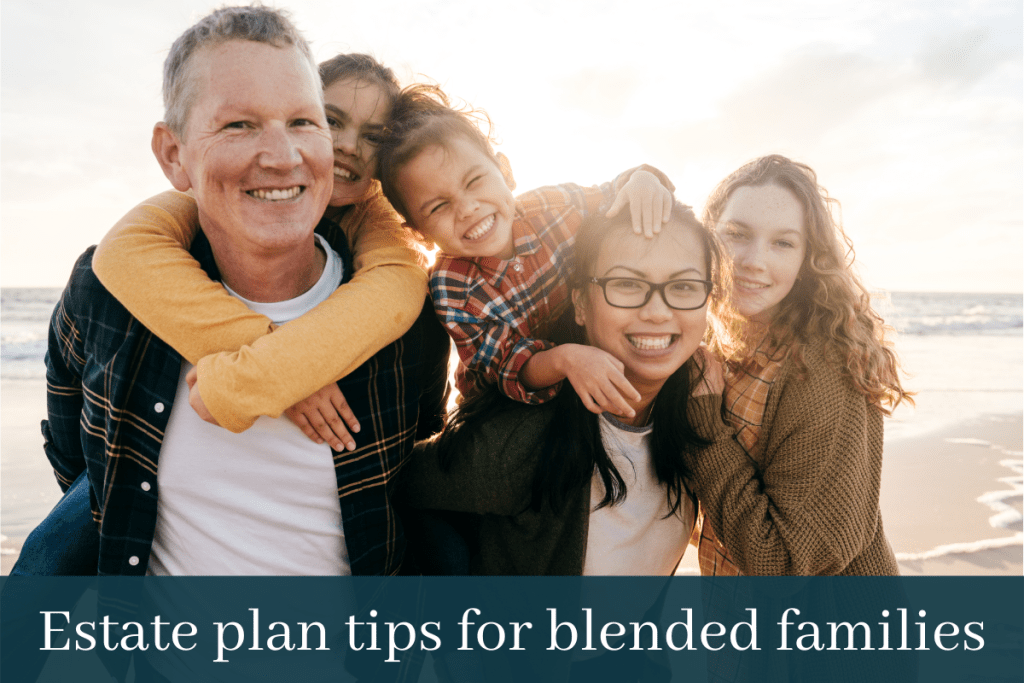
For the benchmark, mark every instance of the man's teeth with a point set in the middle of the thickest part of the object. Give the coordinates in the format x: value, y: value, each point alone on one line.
x: 482, y: 229
x: 344, y: 174
x: 646, y: 343
x: 276, y: 195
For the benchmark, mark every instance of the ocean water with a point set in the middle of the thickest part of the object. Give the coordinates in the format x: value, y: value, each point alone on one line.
x: 962, y: 354
x: 25, y: 314
x: 24, y: 320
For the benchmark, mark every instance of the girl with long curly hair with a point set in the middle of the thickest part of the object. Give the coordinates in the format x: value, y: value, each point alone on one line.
x: 796, y: 490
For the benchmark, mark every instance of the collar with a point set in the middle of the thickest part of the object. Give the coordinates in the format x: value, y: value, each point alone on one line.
x: 203, y: 253
x: 767, y: 351
x: 524, y: 242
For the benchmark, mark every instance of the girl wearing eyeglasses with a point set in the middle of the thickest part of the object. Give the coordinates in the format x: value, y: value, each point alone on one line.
x: 564, y: 490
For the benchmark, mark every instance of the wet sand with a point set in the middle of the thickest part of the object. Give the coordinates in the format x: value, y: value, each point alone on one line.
x: 931, y: 486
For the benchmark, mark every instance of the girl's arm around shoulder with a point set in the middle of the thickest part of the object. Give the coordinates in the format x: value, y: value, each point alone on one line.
x: 377, y: 306
x: 810, y: 506
x: 144, y: 262
x: 378, y: 238
x: 243, y: 371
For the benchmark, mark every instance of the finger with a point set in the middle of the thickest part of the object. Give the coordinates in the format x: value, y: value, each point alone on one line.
x: 616, y: 363
x: 322, y: 429
x: 593, y: 406
x: 636, y: 212
x: 620, y: 201
x: 667, y: 200
x: 338, y: 435
x: 622, y: 386
x: 345, y: 411
x: 615, y: 403
x: 647, y: 213
x: 300, y: 421
x: 657, y: 214
x: 191, y: 377
x: 587, y: 400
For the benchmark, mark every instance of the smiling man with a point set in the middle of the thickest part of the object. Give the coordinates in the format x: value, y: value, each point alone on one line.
x: 245, y: 130
x: 256, y: 151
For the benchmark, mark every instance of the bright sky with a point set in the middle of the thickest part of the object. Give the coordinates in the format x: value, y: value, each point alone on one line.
x: 910, y: 110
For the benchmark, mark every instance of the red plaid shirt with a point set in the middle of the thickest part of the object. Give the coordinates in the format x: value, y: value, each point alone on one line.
x: 747, y: 384
x: 497, y: 311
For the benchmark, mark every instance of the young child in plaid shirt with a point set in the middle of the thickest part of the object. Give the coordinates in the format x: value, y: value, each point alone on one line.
x: 500, y: 277
x: 497, y: 284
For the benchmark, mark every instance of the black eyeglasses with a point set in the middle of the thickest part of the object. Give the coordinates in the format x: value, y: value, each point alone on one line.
x: 631, y: 292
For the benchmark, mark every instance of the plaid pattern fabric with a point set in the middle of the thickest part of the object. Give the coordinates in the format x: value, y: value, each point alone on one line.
x: 747, y: 384
x: 712, y: 557
x: 498, y: 311
x: 110, y: 391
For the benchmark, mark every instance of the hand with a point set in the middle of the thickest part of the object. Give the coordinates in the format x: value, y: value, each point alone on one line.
x: 713, y: 381
x: 324, y: 417
x: 597, y: 376
x: 650, y: 204
x: 195, y: 400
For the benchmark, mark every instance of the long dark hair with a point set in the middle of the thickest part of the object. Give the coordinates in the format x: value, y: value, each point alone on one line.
x: 571, y: 444
x: 360, y: 67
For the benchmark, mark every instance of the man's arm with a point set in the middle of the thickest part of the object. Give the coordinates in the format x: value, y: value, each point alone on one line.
x: 65, y: 361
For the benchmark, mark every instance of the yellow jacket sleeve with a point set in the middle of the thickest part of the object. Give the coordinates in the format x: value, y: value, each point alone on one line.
x: 244, y: 372
x: 144, y: 262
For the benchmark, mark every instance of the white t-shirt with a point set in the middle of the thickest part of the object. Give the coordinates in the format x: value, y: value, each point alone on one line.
x: 634, y: 538
x: 263, y: 502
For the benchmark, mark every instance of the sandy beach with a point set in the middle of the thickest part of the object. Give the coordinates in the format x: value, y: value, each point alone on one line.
x: 28, y: 488
x: 931, y: 486
x: 940, y: 490
x: 940, y: 493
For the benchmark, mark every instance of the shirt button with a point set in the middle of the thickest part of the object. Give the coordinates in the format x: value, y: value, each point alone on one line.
x: 145, y: 486
x: 518, y: 266
x: 133, y: 560
x: 159, y: 407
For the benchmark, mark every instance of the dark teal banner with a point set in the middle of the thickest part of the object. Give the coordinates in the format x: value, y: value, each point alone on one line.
x: 930, y: 629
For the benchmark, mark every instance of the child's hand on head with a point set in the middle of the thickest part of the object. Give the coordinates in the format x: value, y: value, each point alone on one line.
x: 649, y: 201
x: 326, y: 416
x: 597, y: 376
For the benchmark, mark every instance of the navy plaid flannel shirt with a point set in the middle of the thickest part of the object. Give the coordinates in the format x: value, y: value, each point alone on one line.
x: 110, y: 391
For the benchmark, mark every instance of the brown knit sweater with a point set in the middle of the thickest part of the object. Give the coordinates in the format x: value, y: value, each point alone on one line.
x: 809, y: 504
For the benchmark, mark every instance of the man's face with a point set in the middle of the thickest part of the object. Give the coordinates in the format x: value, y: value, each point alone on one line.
x: 257, y: 149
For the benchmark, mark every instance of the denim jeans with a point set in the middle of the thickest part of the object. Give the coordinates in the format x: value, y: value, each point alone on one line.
x: 67, y: 542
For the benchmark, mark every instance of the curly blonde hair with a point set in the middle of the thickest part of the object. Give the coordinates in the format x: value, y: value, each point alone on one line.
x: 828, y: 301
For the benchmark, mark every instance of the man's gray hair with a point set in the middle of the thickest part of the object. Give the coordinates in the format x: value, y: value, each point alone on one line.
x: 251, y: 22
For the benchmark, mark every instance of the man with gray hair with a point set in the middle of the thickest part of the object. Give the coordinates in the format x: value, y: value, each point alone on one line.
x: 245, y: 131
x: 152, y: 489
